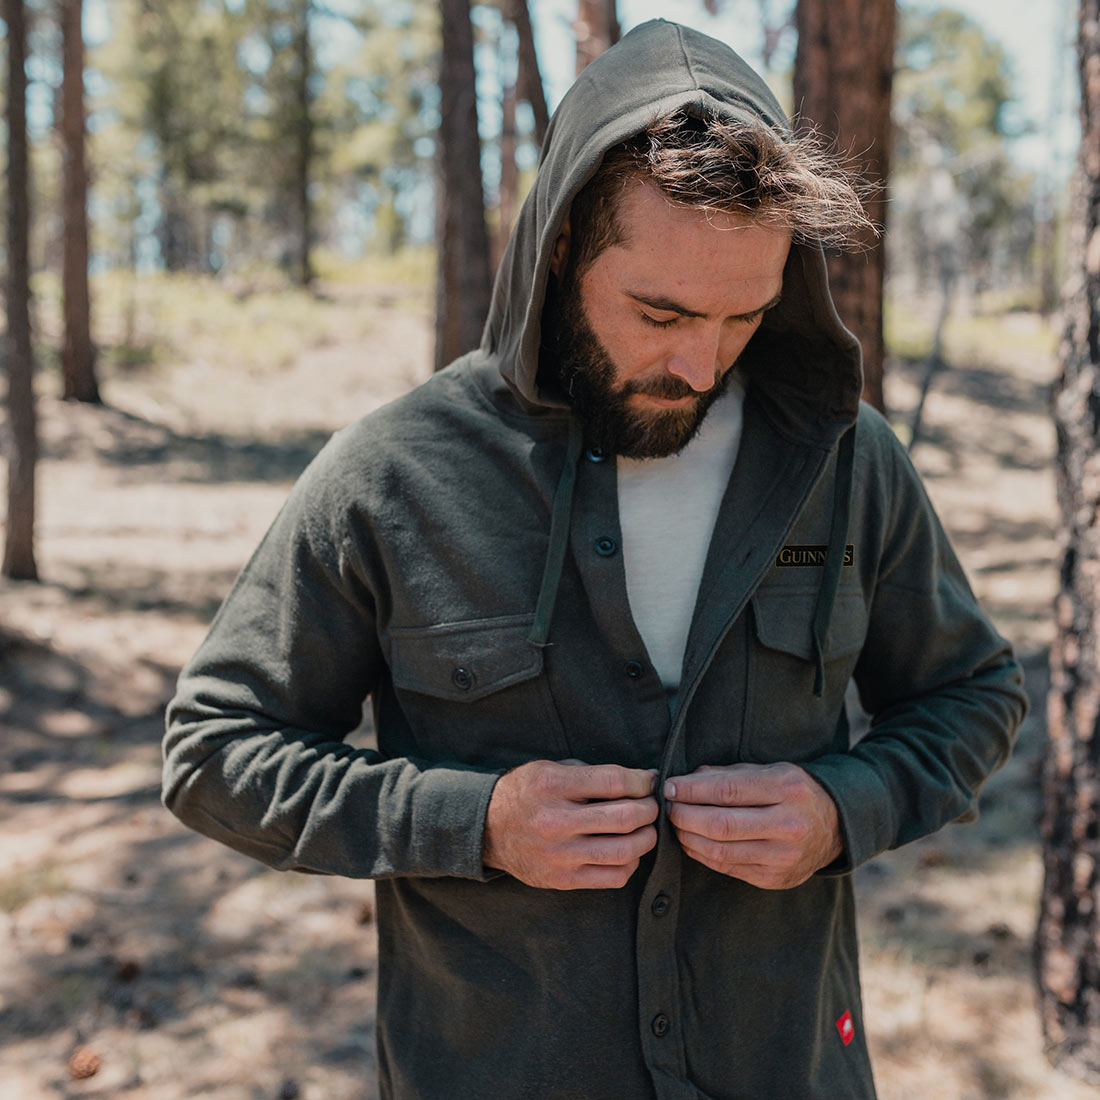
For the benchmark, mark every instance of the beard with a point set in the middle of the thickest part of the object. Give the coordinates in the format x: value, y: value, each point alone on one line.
x: 587, y: 375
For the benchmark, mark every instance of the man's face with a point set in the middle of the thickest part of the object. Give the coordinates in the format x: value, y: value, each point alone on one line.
x: 645, y: 338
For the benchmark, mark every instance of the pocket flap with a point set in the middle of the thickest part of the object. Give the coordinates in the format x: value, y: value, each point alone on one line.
x: 464, y: 661
x: 784, y: 621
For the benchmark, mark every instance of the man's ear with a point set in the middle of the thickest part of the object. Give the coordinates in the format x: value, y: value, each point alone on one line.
x: 561, y: 251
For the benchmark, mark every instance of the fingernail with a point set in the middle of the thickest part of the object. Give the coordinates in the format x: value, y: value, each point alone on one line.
x: 670, y: 789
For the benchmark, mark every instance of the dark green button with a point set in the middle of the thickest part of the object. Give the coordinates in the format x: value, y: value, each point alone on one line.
x: 662, y: 903
x: 660, y: 1025
x: 634, y: 669
x: 605, y: 546
x: 463, y: 679
x: 595, y: 454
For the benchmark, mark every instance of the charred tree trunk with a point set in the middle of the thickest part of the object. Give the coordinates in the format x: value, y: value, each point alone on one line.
x: 597, y: 30
x: 843, y: 79
x: 463, y: 280
x: 22, y: 440
x: 529, y: 78
x: 78, y: 352
x: 1068, y: 939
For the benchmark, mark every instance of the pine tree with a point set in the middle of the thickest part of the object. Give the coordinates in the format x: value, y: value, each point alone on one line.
x: 1068, y: 939
x: 77, y: 353
x: 19, y: 563
x: 463, y: 282
x: 843, y: 74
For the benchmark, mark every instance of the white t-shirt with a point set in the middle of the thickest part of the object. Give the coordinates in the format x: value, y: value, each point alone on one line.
x: 667, y: 510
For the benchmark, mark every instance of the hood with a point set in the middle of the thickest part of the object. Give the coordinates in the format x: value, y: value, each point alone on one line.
x: 802, y: 363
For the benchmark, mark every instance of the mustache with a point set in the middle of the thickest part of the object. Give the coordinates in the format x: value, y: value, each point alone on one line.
x: 669, y: 388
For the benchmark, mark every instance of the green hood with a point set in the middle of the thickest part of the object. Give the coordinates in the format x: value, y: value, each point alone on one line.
x: 805, y: 365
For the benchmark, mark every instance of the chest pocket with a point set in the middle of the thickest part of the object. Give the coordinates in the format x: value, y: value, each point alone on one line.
x: 476, y: 692
x: 784, y: 720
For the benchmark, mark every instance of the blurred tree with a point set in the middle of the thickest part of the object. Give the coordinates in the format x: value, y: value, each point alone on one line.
x: 520, y: 80
x: 77, y: 353
x: 529, y: 79
x: 596, y: 28
x: 952, y: 94
x: 179, y: 95
x: 19, y: 561
x: 508, y: 191
x: 289, y: 81
x: 843, y: 74
x: 1068, y: 938
x: 463, y: 279
x: 380, y: 103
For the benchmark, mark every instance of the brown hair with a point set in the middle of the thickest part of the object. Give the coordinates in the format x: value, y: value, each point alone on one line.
x: 792, y: 182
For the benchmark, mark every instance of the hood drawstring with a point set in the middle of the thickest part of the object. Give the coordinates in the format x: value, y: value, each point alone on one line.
x: 559, y: 537
x: 835, y: 554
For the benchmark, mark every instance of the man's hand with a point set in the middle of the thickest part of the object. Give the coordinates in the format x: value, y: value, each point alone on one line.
x: 570, y: 826
x: 772, y: 825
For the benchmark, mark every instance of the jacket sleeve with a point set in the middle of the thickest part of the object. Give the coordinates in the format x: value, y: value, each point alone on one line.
x: 943, y: 690
x: 255, y: 753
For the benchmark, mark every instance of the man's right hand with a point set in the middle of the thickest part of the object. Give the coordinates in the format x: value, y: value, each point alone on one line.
x: 570, y: 826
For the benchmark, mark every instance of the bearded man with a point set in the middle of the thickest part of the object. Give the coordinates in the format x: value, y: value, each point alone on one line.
x: 605, y: 581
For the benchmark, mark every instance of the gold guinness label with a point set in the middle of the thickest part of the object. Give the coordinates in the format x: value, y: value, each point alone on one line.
x: 793, y: 556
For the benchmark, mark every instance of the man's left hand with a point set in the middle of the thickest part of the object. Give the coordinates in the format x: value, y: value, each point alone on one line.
x: 772, y: 825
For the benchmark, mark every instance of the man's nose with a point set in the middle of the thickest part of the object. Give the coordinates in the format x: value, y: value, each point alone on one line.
x: 699, y: 362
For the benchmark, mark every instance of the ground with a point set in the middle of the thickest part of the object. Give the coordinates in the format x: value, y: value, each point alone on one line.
x: 138, y: 960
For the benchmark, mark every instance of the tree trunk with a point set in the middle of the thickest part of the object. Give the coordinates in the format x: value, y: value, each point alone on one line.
x: 303, y: 132
x: 529, y: 77
x: 463, y: 280
x: 509, y: 171
x: 597, y: 30
x: 77, y: 353
x: 843, y: 77
x: 22, y: 447
x: 1068, y: 938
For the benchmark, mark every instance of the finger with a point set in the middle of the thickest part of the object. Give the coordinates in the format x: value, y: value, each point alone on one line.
x: 735, y: 785
x: 612, y: 851
x: 761, y: 863
x: 593, y: 877
x: 722, y: 856
x: 724, y: 823
x: 755, y: 874
x: 623, y: 815
x: 602, y: 781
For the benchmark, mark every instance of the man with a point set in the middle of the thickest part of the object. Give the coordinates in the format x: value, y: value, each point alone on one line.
x: 605, y: 581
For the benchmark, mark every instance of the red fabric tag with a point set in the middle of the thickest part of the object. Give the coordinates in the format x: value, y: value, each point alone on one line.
x: 846, y: 1028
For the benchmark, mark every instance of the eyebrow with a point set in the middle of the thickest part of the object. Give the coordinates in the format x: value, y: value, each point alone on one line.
x: 668, y: 305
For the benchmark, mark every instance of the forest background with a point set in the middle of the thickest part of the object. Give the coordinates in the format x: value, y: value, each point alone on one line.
x: 262, y: 211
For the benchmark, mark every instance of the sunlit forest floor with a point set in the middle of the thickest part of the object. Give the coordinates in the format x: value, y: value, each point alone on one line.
x: 138, y: 960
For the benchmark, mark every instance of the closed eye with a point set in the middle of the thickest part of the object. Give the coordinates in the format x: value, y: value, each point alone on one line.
x: 658, y: 324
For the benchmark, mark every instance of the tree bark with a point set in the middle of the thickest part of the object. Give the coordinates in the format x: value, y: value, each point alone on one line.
x: 509, y: 171
x: 77, y: 353
x: 529, y: 78
x: 19, y: 563
x: 463, y: 280
x: 1068, y: 936
x: 597, y: 30
x: 303, y: 132
x: 843, y: 79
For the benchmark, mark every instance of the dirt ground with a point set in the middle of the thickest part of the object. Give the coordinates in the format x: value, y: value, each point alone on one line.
x: 138, y: 960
